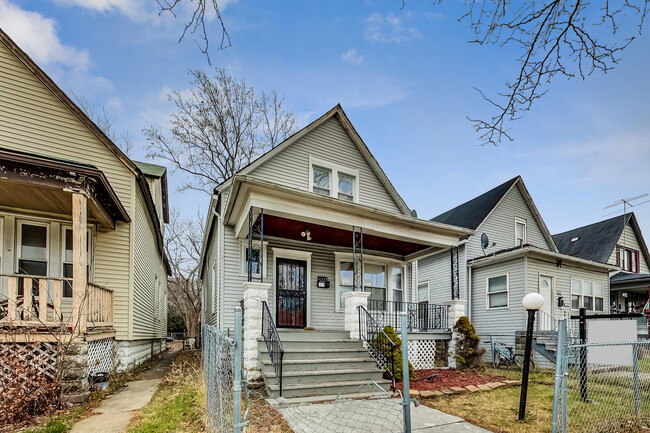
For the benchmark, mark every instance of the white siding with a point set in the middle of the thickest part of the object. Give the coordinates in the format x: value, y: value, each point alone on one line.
x: 632, y: 242
x: 502, y: 320
x: 331, y: 143
x: 500, y: 226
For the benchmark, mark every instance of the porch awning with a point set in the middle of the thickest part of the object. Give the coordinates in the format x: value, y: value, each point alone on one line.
x: 44, y: 184
x: 290, y: 211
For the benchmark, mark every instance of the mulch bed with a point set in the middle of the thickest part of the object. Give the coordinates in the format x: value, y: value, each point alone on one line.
x: 447, y: 378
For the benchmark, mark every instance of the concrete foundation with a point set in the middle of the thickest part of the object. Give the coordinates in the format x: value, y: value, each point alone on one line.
x: 132, y: 353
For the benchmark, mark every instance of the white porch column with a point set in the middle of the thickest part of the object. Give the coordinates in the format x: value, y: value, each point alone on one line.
x: 80, y: 261
x: 455, y: 310
x: 254, y: 294
x: 352, y: 300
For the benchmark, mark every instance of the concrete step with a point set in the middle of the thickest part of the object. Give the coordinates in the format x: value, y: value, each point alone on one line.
x: 321, y: 364
x: 326, y: 388
x: 314, y: 353
x: 324, y: 376
x: 302, y: 335
x: 315, y: 343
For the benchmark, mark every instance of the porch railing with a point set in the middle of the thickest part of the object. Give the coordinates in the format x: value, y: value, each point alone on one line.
x: 40, y: 302
x: 99, y: 305
x: 273, y: 342
x: 378, y: 343
x: 422, y: 317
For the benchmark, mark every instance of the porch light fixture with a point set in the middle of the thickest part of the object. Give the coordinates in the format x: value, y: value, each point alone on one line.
x: 531, y: 302
x: 306, y: 234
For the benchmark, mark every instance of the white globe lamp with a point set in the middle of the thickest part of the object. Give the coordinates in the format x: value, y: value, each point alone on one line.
x: 533, y: 301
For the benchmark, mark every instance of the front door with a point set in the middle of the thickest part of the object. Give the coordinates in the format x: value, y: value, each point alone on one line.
x: 291, y: 293
x: 547, y: 322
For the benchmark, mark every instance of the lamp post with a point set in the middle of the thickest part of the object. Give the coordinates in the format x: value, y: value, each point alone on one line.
x: 531, y: 302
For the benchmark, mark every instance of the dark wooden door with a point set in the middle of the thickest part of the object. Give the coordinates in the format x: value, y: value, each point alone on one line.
x: 291, y: 293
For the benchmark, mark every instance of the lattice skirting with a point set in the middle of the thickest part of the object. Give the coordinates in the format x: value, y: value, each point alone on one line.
x: 422, y: 354
x: 41, y: 356
x: 101, y: 355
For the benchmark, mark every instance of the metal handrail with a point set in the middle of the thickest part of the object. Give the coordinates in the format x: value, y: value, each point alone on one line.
x: 376, y: 340
x: 273, y: 343
x: 422, y: 317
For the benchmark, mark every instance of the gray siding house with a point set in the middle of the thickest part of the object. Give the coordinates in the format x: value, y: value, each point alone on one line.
x: 301, y: 237
x: 510, y: 254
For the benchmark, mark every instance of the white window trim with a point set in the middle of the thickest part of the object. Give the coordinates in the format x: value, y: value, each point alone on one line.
x: 89, y: 260
x: 334, y: 179
x: 19, y: 238
x: 487, y: 292
x: 605, y: 296
x: 553, y: 295
x: 242, y: 258
x: 525, y: 224
x: 417, y: 295
x: 294, y: 255
x: 387, y: 262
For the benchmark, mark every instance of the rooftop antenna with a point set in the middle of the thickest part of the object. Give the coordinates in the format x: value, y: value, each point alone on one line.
x: 626, y: 202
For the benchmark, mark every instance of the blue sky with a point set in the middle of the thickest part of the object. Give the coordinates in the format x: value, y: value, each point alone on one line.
x: 405, y: 77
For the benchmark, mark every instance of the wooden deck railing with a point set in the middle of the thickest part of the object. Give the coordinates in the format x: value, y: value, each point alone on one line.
x: 39, y: 302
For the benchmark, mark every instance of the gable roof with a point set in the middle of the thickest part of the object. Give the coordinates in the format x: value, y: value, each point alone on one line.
x: 157, y: 172
x: 338, y: 113
x: 94, y: 129
x: 472, y: 213
x: 597, y: 241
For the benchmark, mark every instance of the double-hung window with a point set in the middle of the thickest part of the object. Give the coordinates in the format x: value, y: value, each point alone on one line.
x: 398, y: 288
x: 384, y: 279
x: 587, y: 294
x: 33, y: 249
x: 68, y: 260
x: 256, y: 255
x: 497, y: 292
x: 627, y: 259
x: 332, y: 180
x: 346, y: 280
x: 520, y: 232
x: 374, y: 281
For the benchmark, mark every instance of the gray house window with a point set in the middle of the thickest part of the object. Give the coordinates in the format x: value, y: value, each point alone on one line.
x: 497, y: 292
x: 322, y: 180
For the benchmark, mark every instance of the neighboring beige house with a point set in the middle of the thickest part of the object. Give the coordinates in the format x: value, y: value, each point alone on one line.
x: 305, y: 234
x: 80, y: 224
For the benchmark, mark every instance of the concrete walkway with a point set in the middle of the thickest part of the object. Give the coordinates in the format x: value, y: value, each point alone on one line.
x: 371, y: 416
x: 115, y: 413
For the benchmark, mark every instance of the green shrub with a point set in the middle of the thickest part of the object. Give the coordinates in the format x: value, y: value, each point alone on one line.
x: 384, y: 347
x: 468, y: 354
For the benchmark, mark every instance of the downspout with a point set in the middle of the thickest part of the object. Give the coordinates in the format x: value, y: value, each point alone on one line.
x: 469, y: 293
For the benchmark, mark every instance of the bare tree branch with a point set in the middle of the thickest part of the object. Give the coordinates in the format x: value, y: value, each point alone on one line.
x: 197, y: 22
x: 219, y: 126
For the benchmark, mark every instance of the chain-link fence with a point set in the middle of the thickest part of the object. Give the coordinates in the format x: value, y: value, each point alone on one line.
x: 604, y: 387
x: 373, y: 415
x: 218, y: 355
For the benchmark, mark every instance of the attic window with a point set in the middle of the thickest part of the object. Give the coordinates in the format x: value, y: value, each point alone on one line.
x: 333, y: 180
x: 575, y: 239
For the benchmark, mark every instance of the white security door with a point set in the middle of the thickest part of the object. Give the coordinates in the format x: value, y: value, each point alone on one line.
x: 546, y: 320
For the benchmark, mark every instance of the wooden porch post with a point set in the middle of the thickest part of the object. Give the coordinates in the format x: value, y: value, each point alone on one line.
x: 80, y: 260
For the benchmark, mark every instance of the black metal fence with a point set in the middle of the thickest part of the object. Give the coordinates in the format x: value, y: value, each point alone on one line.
x: 422, y: 317
x: 273, y: 342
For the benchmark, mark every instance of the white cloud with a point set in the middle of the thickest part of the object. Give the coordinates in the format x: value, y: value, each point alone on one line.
x: 134, y: 9
x: 352, y: 56
x: 38, y: 37
x: 389, y: 28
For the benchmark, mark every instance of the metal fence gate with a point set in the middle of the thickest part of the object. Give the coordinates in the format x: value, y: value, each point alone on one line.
x: 601, y: 387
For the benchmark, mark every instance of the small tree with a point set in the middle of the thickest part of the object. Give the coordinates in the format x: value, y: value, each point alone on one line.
x: 384, y: 347
x: 468, y: 354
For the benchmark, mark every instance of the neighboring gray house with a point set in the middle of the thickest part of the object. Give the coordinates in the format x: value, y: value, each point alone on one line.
x: 617, y: 241
x: 301, y: 237
x: 520, y: 257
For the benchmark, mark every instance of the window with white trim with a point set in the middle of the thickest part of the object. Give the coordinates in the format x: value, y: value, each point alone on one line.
x: 398, y: 281
x: 423, y: 293
x: 333, y: 180
x: 67, y: 259
x: 33, y: 248
x: 255, y: 258
x: 587, y: 294
x: 374, y: 281
x: 627, y: 259
x: 346, y: 279
x: 383, y: 278
x: 497, y: 291
x: 520, y: 232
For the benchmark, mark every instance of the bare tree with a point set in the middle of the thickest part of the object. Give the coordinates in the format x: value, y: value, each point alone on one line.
x: 196, y: 23
x: 219, y: 126
x: 183, y: 248
x: 106, y: 122
x: 565, y: 38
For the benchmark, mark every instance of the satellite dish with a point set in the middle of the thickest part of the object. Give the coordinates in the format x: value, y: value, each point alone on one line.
x: 485, y: 241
